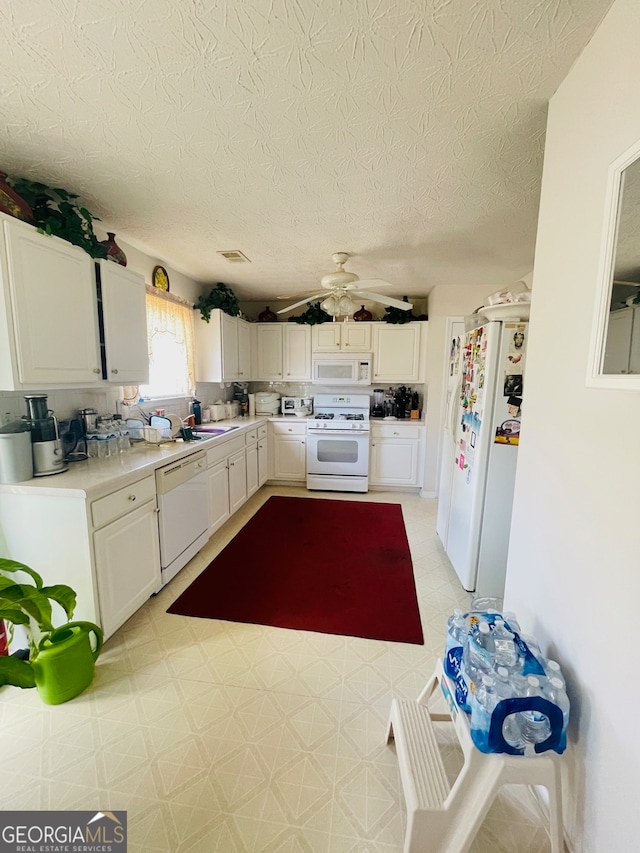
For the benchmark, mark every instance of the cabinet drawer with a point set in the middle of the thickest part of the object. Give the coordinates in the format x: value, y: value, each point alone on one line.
x: 124, y: 500
x: 396, y: 431
x: 262, y: 431
x: 288, y: 428
x: 225, y: 449
x: 251, y: 436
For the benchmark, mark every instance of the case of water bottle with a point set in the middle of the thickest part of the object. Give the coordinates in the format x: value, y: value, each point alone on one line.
x: 515, y: 697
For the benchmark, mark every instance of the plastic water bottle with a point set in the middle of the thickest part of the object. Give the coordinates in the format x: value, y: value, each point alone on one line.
x: 457, y: 630
x: 511, y: 621
x: 506, y: 651
x: 534, y: 726
x: 477, y: 658
x: 483, y: 702
x: 556, y: 692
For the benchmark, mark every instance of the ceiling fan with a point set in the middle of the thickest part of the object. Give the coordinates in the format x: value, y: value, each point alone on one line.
x: 342, y: 285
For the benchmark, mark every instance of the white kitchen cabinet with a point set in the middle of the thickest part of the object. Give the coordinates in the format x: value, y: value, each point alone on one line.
x: 126, y: 350
x: 287, y: 452
x: 127, y: 556
x: 397, y: 352
x: 106, y: 549
x: 342, y: 337
x: 269, y: 348
x: 622, y: 354
x: 244, y: 350
x: 48, y: 311
x: 253, y: 482
x: 396, y: 455
x: 219, y: 494
x: 296, y: 355
x: 283, y: 352
x: 237, y: 480
x: 223, y: 349
x: 263, y: 456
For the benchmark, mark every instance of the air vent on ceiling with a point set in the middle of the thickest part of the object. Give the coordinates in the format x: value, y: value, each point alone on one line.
x: 234, y: 256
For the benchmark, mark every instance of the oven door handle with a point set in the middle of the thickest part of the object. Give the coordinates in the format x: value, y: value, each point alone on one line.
x: 342, y: 432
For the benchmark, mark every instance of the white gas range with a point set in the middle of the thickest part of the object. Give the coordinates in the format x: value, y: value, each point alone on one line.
x: 338, y: 443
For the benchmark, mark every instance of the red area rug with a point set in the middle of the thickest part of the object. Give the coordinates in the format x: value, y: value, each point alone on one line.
x: 335, y: 567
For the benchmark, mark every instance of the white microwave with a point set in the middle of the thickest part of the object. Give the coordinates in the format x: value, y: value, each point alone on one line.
x: 342, y: 368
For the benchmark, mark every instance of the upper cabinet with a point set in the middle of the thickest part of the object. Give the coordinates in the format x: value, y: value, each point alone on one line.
x: 121, y: 296
x: 50, y: 335
x: 283, y: 352
x: 342, y: 337
x: 398, y: 352
x: 223, y: 349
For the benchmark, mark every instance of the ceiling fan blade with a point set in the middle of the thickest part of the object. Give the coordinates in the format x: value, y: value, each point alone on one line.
x: 298, y: 304
x: 372, y: 282
x: 295, y: 295
x: 384, y: 300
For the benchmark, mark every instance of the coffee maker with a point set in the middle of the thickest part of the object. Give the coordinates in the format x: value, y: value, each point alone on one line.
x: 46, y: 446
x: 378, y: 403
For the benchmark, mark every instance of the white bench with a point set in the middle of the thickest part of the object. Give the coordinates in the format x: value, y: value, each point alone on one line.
x: 444, y: 818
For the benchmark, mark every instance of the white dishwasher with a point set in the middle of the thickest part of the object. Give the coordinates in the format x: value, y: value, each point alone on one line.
x: 183, y: 503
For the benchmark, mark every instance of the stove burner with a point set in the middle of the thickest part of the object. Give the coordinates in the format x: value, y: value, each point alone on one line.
x: 353, y: 417
x: 324, y: 416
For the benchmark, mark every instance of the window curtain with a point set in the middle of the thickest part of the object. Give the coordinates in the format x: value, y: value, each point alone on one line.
x: 170, y: 334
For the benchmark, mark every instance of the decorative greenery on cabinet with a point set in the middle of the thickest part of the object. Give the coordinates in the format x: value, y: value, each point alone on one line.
x: 312, y: 316
x: 221, y: 297
x: 56, y: 212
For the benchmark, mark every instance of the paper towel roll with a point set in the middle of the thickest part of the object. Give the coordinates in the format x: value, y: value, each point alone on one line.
x: 252, y: 405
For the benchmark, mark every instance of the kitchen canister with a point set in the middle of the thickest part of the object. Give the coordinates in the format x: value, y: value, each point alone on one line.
x: 16, y: 458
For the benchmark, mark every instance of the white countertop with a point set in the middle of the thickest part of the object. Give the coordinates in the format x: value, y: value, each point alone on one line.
x: 96, y: 477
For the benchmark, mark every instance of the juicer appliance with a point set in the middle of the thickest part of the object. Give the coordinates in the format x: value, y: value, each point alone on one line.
x: 46, y: 445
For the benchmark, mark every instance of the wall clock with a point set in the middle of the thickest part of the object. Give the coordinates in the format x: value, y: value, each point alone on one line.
x: 160, y: 278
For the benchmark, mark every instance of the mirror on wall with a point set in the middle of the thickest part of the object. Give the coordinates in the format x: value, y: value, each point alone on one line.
x: 621, y: 351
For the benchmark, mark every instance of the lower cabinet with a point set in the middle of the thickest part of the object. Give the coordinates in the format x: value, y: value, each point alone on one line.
x: 219, y: 494
x: 288, y: 451
x: 263, y: 456
x: 237, y: 480
x: 251, y: 458
x: 396, y: 456
x: 127, y: 564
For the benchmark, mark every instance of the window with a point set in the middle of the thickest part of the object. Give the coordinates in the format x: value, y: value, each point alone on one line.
x: 170, y: 332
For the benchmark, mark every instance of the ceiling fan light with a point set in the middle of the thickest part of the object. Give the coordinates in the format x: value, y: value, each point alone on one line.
x: 346, y: 305
x: 330, y: 305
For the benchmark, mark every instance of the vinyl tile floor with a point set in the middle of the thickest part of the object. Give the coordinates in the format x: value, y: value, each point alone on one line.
x: 219, y: 736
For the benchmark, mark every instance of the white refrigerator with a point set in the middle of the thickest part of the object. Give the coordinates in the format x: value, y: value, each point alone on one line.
x: 480, y: 450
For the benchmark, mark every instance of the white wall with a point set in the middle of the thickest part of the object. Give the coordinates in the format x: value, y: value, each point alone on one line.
x: 574, y: 568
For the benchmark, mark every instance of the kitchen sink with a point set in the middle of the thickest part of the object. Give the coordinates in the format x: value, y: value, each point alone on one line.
x: 213, y: 431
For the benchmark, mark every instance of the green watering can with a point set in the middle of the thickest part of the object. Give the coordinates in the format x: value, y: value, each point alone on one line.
x: 65, y: 662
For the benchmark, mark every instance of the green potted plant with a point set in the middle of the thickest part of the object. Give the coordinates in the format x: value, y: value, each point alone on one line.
x: 61, y: 660
x: 221, y: 297
x: 56, y: 211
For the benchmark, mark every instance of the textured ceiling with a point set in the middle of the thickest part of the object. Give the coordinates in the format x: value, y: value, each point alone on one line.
x: 406, y: 132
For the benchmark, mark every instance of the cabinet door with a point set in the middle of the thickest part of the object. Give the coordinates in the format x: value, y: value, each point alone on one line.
x: 219, y: 494
x: 289, y: 457
x: 269, y: 346
x: 394, y: 462
x: 263, y: 461
x: 326, y: 337
x: 229, y: 347
x: 55, y: 309
x: 253, y: 480
x: 396, y: 352
x: 125, y: 324
x: 618, y: 350
x: 297, y: 352
x: 356, y: 337
x: 127, y: 565
x: 237, y: 481
x: 244, y: 351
